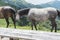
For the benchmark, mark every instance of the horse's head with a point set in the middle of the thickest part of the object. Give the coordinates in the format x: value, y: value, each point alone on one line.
x: 17, y: 16
x: 22, y: 12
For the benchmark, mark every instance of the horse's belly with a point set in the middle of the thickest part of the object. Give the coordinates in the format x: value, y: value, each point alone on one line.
x: 39, y: 17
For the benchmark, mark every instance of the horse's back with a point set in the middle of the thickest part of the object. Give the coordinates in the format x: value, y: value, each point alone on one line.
x: 37, y: 14
x: 51, y: 9
x: 42, y: 14
x: 6, y: 10
x: 7, y: 7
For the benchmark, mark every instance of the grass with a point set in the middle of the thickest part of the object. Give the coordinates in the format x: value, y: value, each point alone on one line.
x: 40, y: 28
x: 3, y: 24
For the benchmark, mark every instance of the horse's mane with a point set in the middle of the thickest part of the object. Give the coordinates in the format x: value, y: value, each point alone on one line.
x: 22, y: 9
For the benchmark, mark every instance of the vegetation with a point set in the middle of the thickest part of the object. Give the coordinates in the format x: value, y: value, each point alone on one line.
x: 45, y: 26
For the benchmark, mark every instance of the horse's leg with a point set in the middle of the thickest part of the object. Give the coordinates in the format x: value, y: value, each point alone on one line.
x: 54, y: 25
x: 6, y: 18
x: 34, y: 24
x: 7, y: 21
x: 13, y: 19
x: 52, y: 28
x: 56, y: 28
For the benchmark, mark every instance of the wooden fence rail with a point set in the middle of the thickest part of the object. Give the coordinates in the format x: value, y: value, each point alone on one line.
x: 16, y: 34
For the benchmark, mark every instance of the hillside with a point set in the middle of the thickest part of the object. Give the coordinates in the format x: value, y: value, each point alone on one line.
x: 55, y: 4
x: 23, y: 4
x: 2, y: 3
x: 20, y: 4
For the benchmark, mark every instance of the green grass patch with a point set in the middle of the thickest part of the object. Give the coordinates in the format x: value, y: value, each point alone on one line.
x: 41, y: 27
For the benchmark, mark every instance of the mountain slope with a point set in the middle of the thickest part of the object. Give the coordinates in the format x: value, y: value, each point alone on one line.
x: 55, y: 4
x: 20, y: 4
x: 2, y: 3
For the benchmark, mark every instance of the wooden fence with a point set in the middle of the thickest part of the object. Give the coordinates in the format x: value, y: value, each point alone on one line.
x: 17, y: 34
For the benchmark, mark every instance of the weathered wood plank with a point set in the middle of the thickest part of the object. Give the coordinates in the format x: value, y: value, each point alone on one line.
x: 13, y: 33
x: 29, y: 34
x: 0, y: 38
x: 5, y: 38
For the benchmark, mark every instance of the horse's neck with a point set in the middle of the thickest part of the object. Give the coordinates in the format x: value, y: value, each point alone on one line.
x: 24, y: 12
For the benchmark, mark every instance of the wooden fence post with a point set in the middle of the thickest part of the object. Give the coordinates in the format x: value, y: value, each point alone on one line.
x: 0, y: 38
x: 5, y: 38
x: 14, y: 39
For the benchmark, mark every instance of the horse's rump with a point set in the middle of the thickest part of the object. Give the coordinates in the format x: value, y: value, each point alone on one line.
x: 6, y: 11
x: 1, y: 15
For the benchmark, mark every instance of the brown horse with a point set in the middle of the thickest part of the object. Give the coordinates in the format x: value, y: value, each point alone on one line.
x: 6, y: 12
x: 40, y: 15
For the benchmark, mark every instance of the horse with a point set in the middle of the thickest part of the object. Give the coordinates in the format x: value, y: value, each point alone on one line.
x: 39, y: 15
x: 6, y: 12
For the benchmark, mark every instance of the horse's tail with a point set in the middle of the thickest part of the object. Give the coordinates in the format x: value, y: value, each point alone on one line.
x: 13, y: 10
x: 58, y: 11
x: 14, y: 13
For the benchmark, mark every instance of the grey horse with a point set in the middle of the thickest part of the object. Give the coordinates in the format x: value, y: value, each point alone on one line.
x: 40, y: 15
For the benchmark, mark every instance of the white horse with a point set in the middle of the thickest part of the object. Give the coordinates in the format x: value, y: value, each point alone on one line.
x: 40, y: 15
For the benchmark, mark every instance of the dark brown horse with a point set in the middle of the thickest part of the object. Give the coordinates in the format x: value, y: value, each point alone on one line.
x: 6, y: 12
x: 35, y: 14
